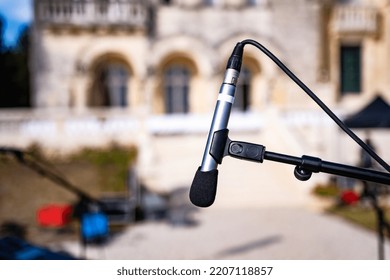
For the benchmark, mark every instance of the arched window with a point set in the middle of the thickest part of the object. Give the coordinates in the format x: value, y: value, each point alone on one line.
x: 243, y: 89
x: 209, y: 2
x: 110, y: 85
x: 176, y: 88
x: 102, y: 7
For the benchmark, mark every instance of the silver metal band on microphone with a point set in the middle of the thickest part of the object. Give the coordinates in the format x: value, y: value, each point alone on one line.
x: 226, y: 98
x: 231, y: 76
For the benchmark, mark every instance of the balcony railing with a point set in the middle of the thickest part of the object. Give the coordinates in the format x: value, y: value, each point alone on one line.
x: 130, y: 13
x: 355, y: 19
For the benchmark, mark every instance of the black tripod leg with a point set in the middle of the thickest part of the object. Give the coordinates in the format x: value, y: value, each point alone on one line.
x: 381, y: 236
x: 371, y: 194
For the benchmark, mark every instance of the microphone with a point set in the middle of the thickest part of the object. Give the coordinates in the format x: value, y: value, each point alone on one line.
x: 204, y: 185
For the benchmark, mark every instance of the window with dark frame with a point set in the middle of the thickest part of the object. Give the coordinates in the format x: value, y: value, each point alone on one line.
x: 209, y: 2
x: 350, y: 69
x: 116, y: 84
x: 110, y: 86
x: 176, y: 87
x: 251, y: 2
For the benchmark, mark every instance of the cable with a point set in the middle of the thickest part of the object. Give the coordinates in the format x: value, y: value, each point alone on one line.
x: 350, y: 133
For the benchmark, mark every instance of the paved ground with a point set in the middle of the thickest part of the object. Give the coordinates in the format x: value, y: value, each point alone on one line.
x: 260, y: 212
x: 258, y: 233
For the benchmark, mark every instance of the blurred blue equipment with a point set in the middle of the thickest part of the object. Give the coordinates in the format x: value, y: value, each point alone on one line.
x: 94, y: 227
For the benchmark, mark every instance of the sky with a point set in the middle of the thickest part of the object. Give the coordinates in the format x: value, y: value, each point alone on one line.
x: 16, y: 13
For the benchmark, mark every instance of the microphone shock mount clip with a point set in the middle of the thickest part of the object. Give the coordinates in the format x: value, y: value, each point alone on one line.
x: 222, y: 146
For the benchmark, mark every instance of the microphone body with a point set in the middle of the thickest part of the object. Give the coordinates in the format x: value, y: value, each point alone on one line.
x: 221, y: 116
x: 204, y: 185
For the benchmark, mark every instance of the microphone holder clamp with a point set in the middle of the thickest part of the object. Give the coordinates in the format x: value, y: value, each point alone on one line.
x: 305, y: 166
x: 222, y: 146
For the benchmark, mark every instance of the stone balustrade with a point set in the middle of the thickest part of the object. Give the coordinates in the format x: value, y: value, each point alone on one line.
x: 129, y: 13
x: 68, y: 130
x: 355, y: 19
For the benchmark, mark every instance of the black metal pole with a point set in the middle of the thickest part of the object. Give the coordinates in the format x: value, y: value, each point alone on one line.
x: 305, y: 165
x: 319, y: 165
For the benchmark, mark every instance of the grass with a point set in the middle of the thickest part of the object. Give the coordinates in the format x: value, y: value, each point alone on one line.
x: 362, y: 216
x: 326, y: 190
x: 357, y: 214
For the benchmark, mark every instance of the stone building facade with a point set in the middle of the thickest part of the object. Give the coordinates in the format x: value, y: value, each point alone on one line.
x: 132, y: 71
x: 145, y: 46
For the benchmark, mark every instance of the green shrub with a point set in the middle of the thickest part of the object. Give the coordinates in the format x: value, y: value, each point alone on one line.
x: 112, y: 163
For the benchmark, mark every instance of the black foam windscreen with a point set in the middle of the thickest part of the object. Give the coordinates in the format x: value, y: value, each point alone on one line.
x: 204, y: 188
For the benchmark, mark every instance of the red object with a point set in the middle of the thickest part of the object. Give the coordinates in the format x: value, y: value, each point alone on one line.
x: 54, y: 215
x: 349, y: 197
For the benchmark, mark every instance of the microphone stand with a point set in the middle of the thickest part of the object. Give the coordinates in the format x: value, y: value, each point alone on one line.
x: 305, y: 166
